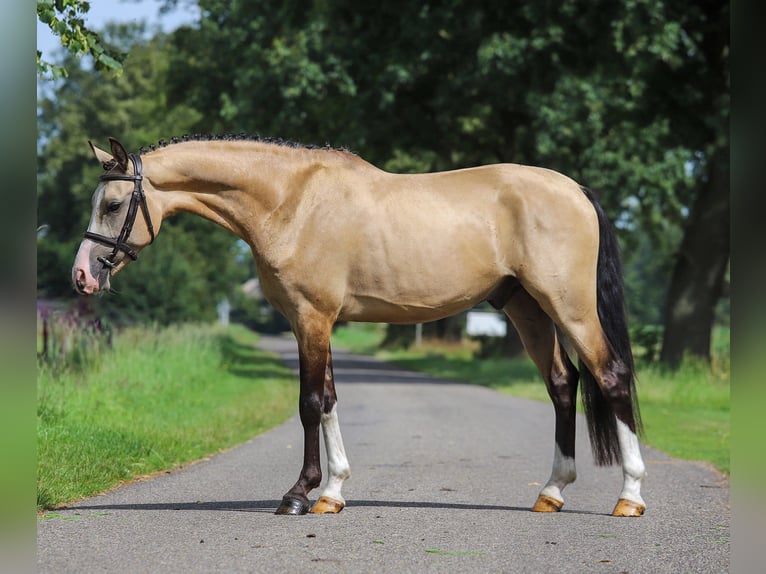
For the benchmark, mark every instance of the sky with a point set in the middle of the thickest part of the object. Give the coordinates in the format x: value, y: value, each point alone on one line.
x: 103, y: 11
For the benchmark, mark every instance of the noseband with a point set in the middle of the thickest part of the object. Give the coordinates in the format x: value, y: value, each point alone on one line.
x: 138, y: 198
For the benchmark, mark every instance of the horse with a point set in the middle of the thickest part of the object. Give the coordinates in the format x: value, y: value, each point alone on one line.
x: 335, y: 238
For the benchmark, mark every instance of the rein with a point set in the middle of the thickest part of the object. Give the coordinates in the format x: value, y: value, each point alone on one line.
x: 138, y: 198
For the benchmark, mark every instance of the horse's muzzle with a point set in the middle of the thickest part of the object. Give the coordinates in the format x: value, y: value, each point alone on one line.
x: 82, y: 285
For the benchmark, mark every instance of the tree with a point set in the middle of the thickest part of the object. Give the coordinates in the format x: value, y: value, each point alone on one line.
x: 630, y: 98
x: 702, y: 118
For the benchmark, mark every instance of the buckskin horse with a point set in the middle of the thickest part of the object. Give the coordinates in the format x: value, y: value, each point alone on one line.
x: 335, y: 238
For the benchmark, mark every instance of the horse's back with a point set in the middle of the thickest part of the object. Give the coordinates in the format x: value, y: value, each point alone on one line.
x: 510, y: 211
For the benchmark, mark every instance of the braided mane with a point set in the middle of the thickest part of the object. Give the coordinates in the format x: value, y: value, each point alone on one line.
x: 237, y: 137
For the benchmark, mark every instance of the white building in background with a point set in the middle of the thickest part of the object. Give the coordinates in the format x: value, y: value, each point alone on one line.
x: 485, y: 324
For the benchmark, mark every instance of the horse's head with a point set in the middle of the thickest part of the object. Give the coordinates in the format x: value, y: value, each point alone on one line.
x: 116, y: 232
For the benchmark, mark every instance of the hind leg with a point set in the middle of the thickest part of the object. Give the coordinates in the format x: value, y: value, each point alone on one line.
x: 607, y: 383
x: 540, y: 339
x: 614, y: 381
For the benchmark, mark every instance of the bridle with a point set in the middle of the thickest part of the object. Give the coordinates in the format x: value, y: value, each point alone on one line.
x: 138, y: 198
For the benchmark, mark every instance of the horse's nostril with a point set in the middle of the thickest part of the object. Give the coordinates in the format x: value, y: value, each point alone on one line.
x: 79, y: 282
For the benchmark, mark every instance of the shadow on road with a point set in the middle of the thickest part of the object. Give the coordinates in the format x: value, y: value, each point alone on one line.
x: 271, y: 506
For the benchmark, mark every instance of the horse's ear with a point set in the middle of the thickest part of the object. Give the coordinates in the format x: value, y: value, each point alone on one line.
x: 106, y: 159
x: 119, y: 153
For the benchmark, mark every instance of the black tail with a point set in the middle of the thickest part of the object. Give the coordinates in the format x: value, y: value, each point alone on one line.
x: 602, y: 424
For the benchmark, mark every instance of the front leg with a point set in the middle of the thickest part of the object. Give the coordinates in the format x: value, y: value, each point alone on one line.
x: 331, y: 501
x: 313, y: 348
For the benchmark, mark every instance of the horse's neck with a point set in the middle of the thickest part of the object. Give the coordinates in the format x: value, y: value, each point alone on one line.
x: 236, y: 186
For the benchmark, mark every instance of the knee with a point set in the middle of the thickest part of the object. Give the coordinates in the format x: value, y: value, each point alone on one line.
x: 310, y: 408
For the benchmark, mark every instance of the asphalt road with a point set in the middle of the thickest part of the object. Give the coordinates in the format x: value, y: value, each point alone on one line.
x: 443, y: 478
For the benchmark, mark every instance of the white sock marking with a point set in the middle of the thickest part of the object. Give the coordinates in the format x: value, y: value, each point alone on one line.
x: 633, y: 469
x: 563, y: 473
x: 337, y: 464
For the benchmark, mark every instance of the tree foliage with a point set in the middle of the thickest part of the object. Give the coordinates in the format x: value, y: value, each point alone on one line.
x: 65, y: 18
x: 630, y: 98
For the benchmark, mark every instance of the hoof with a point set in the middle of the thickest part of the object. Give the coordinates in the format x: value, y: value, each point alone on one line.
x: 627, y: 507
x: 292, y: 506
x: 327, y: 505
x: 547, y: 504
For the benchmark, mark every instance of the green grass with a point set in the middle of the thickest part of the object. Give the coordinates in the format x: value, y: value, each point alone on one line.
x: 359, y: 337
x: 156, y: 400
x: 685, y: 412
x: 161, y: 398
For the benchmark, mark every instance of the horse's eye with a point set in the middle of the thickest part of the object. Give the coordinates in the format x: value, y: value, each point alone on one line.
x: 113, y: 206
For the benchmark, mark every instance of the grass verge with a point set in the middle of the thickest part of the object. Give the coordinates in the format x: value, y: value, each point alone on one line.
x: 157, y: 399
x: 686, y: 413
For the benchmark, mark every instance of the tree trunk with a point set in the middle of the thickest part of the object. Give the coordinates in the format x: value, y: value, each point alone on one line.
x: 698, y: 276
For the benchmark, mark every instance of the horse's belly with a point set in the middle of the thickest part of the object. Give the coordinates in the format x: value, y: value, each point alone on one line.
x: 417, y: 297
x: 374, y: 310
